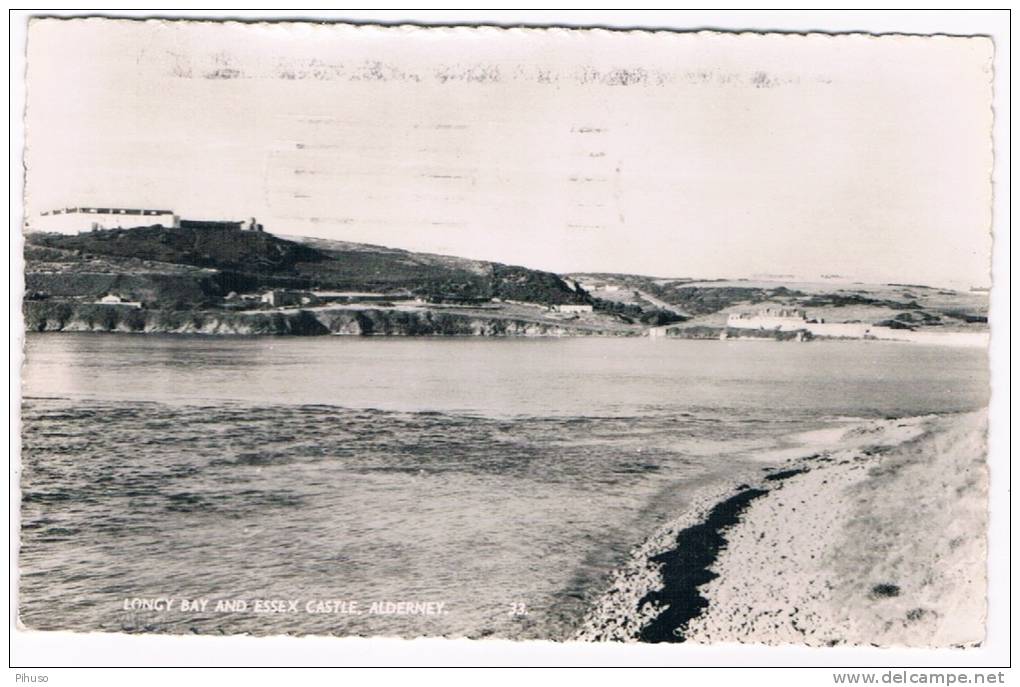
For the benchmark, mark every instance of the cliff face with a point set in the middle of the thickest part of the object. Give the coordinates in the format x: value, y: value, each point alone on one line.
x: 372, y: 322
x: 708, y: 332
x: 88, y: 317
x: 47, y: 317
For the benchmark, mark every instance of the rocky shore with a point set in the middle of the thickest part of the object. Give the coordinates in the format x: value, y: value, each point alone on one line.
x: 879, y: 541
x: 45, y: 317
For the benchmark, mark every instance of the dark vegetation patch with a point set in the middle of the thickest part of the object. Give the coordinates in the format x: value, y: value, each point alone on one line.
x: 710, y: 332
x: 696, y: 332
x: 703, y: 300
x: 631, y: 313
x: 885, y: 590
x: 919, y: 317
x: 698, y: 300
x: 511, y: 282
x: 894, y: 324
x: 837, y: 300
x: 219, y: 248
x: 777, y: 476
x: 966, y: 317
x: 249, y: 261
x: 915, y: 614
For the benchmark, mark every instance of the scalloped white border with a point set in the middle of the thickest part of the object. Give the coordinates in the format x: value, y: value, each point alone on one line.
x: 32, y: 648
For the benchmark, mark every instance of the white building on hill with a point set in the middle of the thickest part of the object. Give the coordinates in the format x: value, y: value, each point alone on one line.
x: 573, y: 308
x: 781, y: 319
x: 114, y: 299
x: 79, y: 219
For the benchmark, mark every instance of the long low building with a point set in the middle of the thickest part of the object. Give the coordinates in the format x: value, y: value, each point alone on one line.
x: 79, y: 219
x: 782, y: 319
x: 572, y: 308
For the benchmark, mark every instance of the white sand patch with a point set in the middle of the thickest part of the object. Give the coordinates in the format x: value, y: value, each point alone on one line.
x: 616, y: 615
x: 879, y: 542
x: 881, y: 545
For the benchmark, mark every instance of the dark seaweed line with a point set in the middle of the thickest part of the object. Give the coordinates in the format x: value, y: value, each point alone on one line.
x: 685, y: 568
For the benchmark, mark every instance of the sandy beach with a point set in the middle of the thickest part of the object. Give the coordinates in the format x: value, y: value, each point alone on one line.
x: 877, y: 540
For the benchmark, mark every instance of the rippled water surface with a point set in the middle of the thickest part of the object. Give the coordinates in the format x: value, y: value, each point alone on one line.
x: 480, y: 474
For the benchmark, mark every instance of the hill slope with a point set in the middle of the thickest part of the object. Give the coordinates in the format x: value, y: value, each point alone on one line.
x: 206, y: 264
x: 182, y: 269
x: 708, y: 302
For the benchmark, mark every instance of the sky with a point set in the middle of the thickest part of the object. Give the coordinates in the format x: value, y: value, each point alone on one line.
x: 669, y: 154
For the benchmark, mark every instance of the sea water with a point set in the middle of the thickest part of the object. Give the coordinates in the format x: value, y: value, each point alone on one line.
x: 452, y: 487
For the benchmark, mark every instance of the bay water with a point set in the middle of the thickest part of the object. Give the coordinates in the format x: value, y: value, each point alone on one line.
x: 401, y: 486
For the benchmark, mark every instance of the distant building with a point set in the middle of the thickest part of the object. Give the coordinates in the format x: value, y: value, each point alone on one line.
x: 769, y: 318
x: 789, y: 320
x: 249, y: 224
x: 599, y: 286
x: 279, y: 298
x: 360, y: 296
x: 79, y: 219
x: 456, y: 299
x: 242, y: 298
x: 114, y: 299
x: 573, y: 308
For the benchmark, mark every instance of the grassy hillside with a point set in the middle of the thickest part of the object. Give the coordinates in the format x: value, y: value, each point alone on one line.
x: 173, y: 266
x: 187, y: 269
x: 708, y: 302
x: 218, y: 248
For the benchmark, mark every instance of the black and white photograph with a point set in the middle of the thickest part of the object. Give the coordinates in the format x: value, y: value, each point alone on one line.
x: 567, y: 334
